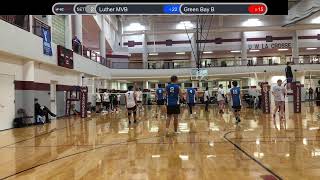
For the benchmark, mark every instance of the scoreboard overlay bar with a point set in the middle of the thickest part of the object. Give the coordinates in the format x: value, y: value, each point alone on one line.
x: 160, y: 8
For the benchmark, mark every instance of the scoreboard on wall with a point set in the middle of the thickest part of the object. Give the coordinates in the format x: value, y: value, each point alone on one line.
x: 65, y: 57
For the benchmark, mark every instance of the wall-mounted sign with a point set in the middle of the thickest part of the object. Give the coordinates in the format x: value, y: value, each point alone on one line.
x: 272, y: 45
x: 65, y: 57
x: 46, y: 36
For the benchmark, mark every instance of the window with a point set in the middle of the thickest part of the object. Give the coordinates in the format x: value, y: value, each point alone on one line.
x: 187, y: 85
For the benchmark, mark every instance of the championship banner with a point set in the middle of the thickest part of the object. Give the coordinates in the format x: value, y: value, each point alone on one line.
x: 46, y: 36
x: 296, y: 86
x: 83, y: 101
x: 265, y: 100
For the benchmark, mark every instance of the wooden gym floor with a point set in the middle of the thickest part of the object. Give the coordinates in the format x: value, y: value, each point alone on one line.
x: 210, y: 146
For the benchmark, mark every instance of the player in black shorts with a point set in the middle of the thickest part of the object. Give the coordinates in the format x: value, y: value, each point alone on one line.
x: 174, y: 94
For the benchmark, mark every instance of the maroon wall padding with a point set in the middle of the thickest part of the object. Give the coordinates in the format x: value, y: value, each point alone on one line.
x: 130, y: 43
x: 64, y: 87
x: 31, y: 85
x: 231, y: 40
x: 256, y: 39
x: 181, y: 42
x: 35, y: 86
x: 282, y: 38
x: 116, y: 56
x: 308, y: 37
x: 169, y: 42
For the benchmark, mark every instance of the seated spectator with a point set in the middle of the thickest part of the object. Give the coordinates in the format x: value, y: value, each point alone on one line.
x: 41, y: 113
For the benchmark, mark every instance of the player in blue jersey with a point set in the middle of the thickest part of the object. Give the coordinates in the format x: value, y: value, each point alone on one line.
x: 236, y: 100
x: 173, y: 93
x: 191, y: 98
x: 160, y: 100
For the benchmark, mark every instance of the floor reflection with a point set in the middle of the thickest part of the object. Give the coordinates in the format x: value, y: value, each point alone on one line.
x: 107, y: 147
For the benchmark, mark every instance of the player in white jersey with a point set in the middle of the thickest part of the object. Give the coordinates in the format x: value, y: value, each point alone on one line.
x: 106, y: 100
x: 118, y: 102
x: 279, y: 93
x: 139, y: 95
x: 131, y: 104
x: 221, y: 98
x: 98, y: 102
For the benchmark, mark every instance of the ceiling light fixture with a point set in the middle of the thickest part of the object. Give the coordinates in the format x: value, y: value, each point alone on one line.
x: 153, y: 54
x: 316, y: 20
x: 283, y: 49
x: 252, y: 22
x: 235, y: 51
x: 184, y: 25
x: 135, y: 27
x: 180, y: 53
x: 312, y: 48
x: 254, y: 50
x: 207, y: 52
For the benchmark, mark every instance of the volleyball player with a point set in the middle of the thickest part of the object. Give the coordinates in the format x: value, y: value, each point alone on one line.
x: 173, y: 93
x: 191, y: 98
x: 236, y: 100
x: 221, y: 98
x: 160, y: 100
x: 279, y: 93
x: 131, y: 104
x: 139, y: 99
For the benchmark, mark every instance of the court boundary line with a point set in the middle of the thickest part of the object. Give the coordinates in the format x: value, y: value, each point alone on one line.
x: 252, y: 158
x: 182, y: 142
x: 126, y: 143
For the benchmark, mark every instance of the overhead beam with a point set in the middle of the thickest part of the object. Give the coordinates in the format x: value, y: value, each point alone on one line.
x: 234, y: 29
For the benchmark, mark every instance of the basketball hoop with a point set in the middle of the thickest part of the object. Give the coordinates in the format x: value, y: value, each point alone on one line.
x: 199, y: 74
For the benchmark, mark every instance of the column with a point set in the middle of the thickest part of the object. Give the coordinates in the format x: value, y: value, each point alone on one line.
x: 295, y: 48
x: 28, y: 71
x: 194, y: 51
x: 194, y: 84
x: 49, y: 21
x: 145, y: 84
x: 68, y: 32
x: 80, y: 79
x: 28, y: 96
x: 244, y: 54
x: 145, y: 51
x: 200, y: 85
x: 182, y: 85
x: 78, y: 27
x: 102, y: 39
x: 31, y: 23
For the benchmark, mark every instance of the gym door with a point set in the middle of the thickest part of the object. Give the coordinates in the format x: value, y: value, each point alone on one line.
x: 7, y: 109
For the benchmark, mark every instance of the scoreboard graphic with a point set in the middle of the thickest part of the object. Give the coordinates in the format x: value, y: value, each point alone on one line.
x: 160, y: 8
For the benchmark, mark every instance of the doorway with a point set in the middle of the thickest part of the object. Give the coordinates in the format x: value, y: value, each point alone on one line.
x: 7, y: 108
